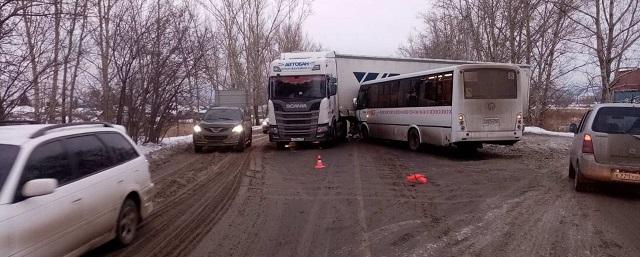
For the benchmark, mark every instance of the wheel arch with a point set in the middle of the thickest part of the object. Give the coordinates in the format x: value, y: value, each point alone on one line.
x: 365, y: 125
x: 413, y: 126
x: 135, y: 197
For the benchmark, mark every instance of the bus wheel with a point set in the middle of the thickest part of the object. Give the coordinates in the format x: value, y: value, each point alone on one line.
x: 414, y: 139
x: 364, y: 132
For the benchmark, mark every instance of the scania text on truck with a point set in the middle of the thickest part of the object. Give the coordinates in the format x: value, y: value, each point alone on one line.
x: 311, y: 94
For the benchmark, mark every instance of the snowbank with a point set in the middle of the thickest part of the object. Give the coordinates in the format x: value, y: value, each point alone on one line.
x: 541, y: 131
x: 167, y: 145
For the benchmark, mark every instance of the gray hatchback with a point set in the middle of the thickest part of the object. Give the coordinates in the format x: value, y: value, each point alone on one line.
x: 606, y: 146
x: 223, y: 126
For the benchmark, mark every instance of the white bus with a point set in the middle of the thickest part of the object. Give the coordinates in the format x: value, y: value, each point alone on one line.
x: 464, y: 105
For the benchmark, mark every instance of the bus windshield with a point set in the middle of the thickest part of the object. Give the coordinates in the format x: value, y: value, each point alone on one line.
x: 490, y: 84
x: 296, y: 87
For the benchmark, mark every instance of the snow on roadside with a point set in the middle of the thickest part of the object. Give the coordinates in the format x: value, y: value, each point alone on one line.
x: 167, y: 145
x: 541, y: 131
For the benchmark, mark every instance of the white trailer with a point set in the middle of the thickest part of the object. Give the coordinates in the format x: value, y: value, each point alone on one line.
x: 311, y: 94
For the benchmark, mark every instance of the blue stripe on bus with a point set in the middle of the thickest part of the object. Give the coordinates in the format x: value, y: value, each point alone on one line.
x: 371, y: 76
x: 359, y: 76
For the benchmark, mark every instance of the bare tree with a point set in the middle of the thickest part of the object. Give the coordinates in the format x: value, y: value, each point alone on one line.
x: 609, y: 29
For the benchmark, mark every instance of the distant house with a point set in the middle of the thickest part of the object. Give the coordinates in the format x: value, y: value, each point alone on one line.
x: 626, y: 86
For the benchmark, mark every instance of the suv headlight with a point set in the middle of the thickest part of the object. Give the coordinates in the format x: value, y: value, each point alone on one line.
x: 197, y: 128
x: 237, y: 129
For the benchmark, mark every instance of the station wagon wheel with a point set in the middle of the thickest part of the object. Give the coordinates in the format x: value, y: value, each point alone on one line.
x: 128, y: 221
x: 580, y: 183
x: 414, y: 139
x: 572, y: 171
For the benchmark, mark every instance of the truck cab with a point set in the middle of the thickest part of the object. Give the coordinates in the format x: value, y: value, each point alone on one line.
x: 302, y: 103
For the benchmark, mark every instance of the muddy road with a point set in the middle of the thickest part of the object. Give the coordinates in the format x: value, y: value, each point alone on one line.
x: 503, y: 201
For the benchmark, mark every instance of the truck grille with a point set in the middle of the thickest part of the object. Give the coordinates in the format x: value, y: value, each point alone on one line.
x: 297, y: 124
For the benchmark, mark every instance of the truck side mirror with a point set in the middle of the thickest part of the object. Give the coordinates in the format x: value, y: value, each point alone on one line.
x: 355, y: 103
x: 573, y: 128
x: 333, y: 89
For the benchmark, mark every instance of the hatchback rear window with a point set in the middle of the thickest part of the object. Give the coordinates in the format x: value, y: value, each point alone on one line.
x: 8, y: 154
x: 617, y: 120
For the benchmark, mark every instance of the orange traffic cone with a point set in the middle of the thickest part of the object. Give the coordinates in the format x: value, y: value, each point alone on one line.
x: 319, y: 164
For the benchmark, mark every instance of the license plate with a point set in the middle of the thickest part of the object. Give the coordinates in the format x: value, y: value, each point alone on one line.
x: 297, y: 139
x: 491, y: 122
x: 626, y: 176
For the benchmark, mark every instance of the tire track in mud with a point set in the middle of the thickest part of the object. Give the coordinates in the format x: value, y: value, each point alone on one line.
x: 187, y: 212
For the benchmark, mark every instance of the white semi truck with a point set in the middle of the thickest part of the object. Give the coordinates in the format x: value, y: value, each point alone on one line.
x: 311, y: 93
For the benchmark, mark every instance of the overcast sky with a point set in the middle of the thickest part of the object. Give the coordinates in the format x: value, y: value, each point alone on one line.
x: 369, y: 27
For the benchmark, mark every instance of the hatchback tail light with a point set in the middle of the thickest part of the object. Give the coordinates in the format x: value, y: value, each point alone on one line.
x: 587, y: 144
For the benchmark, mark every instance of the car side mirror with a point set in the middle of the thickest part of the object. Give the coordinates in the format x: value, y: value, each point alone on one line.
x: 38, y: 187
x: 573, y: 128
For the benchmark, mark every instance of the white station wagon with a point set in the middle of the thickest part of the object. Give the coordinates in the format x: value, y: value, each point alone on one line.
x: 606, y: 147
x: 65, y: 189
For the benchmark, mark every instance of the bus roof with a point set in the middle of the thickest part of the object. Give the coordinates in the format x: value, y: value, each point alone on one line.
x: 441, y: 70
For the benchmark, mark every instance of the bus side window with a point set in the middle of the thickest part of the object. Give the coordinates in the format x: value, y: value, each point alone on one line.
x: 445, y: 89
x: 428, y: 92
x: 362, y: 98
x: 392, y: 92
x: 403, y: 93
x: 372, y: 96
x: 383, y: 95
x: 414, y: 92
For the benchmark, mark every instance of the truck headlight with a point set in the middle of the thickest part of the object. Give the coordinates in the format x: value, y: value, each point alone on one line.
x: 197, y: 129
x: 237, y: 129
x: 322, y: 129
x: 265, y: 122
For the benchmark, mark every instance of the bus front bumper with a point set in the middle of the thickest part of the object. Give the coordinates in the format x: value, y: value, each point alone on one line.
x: 489, y: 137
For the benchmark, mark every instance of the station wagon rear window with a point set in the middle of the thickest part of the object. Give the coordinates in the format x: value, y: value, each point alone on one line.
x: 8, y: 154
x: 617, y: 120
x: 490, y: 84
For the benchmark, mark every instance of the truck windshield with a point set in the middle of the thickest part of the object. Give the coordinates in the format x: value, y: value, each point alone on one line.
x: 223, y: 114
x: 8, y: 155
x: 296, y: 87
x: 617, y: 120
x: 490, y: 84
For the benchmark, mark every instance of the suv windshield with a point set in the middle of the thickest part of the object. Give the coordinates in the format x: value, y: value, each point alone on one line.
x: 223, y: 114
x: 617, y: 120
x: 295, y: 87
x: 8, y: 154
x: 490, y: 84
